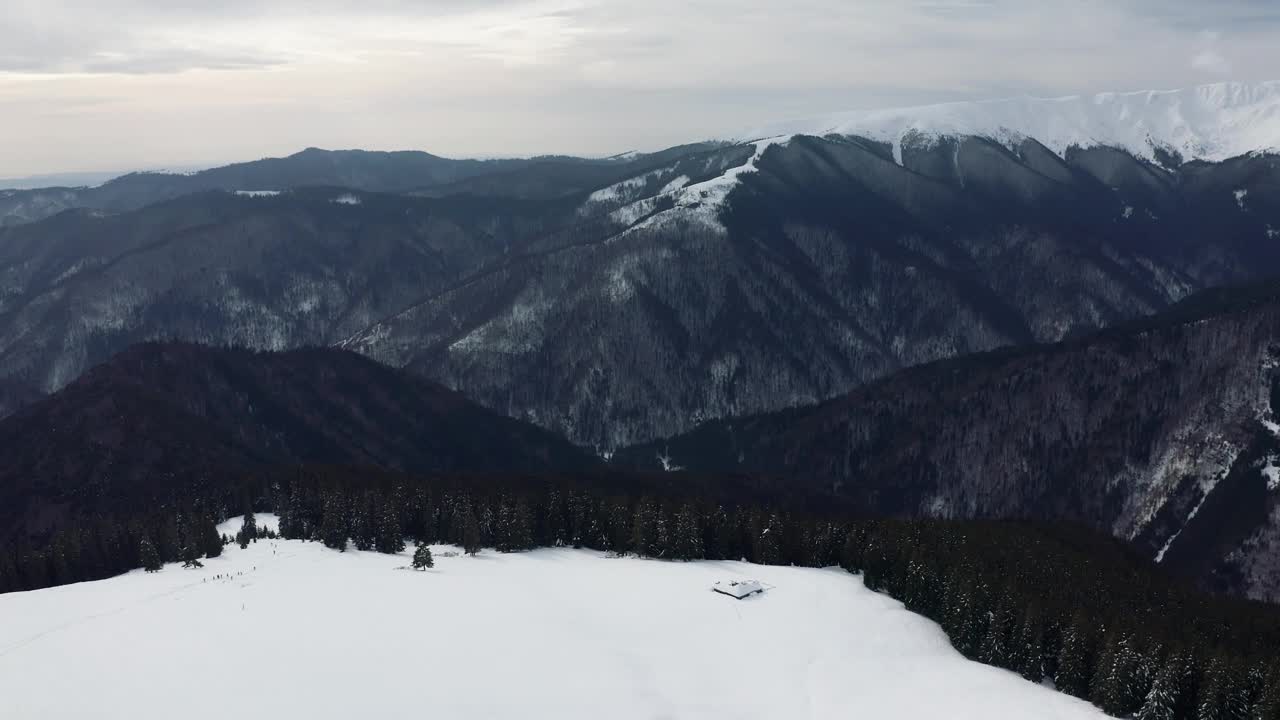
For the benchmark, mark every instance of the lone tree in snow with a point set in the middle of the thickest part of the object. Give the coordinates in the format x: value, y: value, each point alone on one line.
x: 422, y: 558
x: 149, y: 556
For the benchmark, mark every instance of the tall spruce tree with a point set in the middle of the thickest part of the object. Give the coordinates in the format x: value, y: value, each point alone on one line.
x: 248, y: 530
x: 1211, y: 703
x: 1161, y: 702
x: 767, y: 548
x: 149, y: 555
x: 642, y: 527
x: 333, y: 523
x: 1075, y: 657
x: 422, y: 559
x: 208, y: 539
x: 471, y: 543
x: 687, y: 536
x: 390, y: 537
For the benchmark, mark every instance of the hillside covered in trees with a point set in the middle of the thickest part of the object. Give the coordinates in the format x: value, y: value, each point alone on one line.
x: 1159, y: 432
x: 166, y: 420
x: 1048, y: 602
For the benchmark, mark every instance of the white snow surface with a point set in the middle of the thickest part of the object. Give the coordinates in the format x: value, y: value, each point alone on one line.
x: 262, y: 520
x: 293, y: 629
x: 258, y: 193
x: 1272, y: 473
x: 1209, y: 122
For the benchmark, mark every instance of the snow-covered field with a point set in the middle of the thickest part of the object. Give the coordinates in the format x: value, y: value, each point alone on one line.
x: 293, y: 630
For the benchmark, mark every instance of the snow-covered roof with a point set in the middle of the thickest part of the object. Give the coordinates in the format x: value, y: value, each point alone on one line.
x: 1209, y: 122
x: 738, y: 588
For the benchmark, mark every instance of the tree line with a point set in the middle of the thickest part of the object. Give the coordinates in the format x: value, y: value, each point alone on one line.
x: 1051, y: 603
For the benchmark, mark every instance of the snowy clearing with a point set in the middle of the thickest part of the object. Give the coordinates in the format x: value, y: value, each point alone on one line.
x: 293, y: 629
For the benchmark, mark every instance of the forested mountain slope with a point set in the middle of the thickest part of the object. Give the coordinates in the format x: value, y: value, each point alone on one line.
x: 820, y: 264
x: 1163, y: 432
x: 165, y: 421
x: 619, y: 301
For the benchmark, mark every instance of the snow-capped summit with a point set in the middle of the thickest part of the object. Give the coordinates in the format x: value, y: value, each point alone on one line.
x: 1209, y: 122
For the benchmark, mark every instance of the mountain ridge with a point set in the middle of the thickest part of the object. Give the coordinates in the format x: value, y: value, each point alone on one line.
x: 1213, y: 122
x: 620, y: 301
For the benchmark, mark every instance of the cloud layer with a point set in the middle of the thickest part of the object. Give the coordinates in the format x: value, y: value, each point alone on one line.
x: 127, y: 83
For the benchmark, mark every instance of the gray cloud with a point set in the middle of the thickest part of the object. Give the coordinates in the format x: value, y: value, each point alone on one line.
x: 526, y: 76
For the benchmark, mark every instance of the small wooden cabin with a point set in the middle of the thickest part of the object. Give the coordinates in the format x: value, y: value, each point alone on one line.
x: 738, y: 589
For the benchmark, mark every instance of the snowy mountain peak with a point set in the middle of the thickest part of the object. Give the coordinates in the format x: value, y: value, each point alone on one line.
x: 1209, y: 122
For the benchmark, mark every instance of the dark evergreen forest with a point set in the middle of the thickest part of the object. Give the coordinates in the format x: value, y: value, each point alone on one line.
x: 1049, y: 602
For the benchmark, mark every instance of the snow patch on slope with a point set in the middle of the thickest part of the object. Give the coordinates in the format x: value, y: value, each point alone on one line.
x: 700, y: 202
x: 675, y: 185
x: 1209, y: 122
x: 1272, y: 473
x: 624, y: 190
x: 1190, y: 453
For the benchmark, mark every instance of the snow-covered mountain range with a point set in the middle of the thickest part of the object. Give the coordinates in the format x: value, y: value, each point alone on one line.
x: 1210, y: 122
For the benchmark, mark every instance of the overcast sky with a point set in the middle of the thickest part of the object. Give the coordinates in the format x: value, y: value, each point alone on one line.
x: 122, y: 84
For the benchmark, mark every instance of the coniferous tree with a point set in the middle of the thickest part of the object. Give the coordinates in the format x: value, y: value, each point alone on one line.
x: 430, y: 531
x: 208, y: 540
x: 390, y: 538
x: 1113, y: 685
x: 1028, y: 651
x: 1267, y: 706
x: 1161, y: 702
x: 767, y: 545
x: 248, y: 530
x: 687, y: 537
x: 1237, y: 693
x: 189, y: 553
x: 723, y: 532
x: 471, y: 543
x: 1075, y: 666
x: 998, y: 638
x: 150, y: 556
x: 422, y: 559
x: 1211, y: 703
x: 521, y: 533
x: 333, y: 524
x: 169, y: 546
x: 363, y: 525
x: 661, y: 545
x: 642, y: 528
